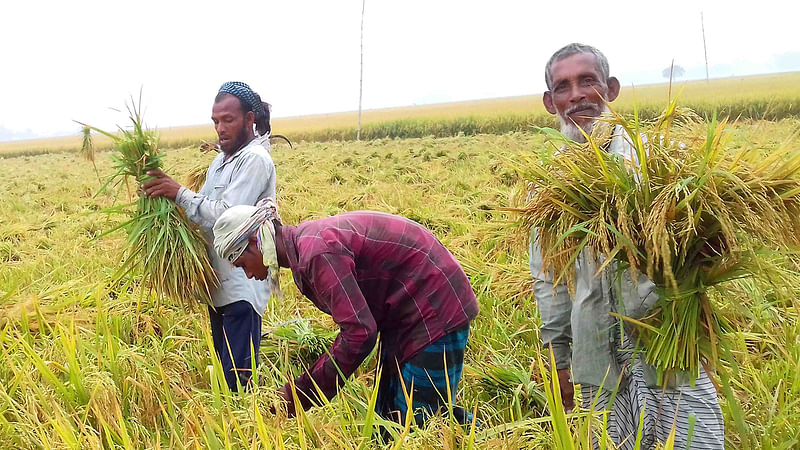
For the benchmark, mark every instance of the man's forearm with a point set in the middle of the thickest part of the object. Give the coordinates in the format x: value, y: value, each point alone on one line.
x: 329, y: 374
x: 199, y: 208
x: 247, y: 185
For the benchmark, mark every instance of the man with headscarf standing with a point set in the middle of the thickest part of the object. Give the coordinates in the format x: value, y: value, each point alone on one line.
x: 242, y: 174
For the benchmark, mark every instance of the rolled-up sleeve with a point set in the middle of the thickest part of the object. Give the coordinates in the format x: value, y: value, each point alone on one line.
x: 555, y: 308
x: 254, y: 174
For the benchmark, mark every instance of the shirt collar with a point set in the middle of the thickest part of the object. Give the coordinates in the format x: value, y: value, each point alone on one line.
x: 289, y: 236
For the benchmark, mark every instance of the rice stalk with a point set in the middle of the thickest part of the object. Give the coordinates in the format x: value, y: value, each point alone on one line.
x: 685, y: 207
x: 196, y: 177
x: 504, y: 380
x: 162, y: 244
x: 301, y: 342
x: 87, y: 148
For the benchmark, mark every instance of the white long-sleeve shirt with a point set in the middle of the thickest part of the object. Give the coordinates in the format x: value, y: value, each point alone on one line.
x: 244, y: 178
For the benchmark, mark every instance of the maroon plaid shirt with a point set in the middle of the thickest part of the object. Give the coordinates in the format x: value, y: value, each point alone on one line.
x: 375, y: 272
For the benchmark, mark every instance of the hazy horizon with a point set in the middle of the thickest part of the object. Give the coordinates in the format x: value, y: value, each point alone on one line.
x: 85, y: 57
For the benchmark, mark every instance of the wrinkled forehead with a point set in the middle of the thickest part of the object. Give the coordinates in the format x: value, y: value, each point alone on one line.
x: 574, y: 66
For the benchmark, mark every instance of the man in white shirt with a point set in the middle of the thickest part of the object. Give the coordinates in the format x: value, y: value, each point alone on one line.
x: 242, y: 174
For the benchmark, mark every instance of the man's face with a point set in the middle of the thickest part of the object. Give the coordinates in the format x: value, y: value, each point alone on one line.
x: 577, y: 94
x: 252, y: 262
x: 231, y: 123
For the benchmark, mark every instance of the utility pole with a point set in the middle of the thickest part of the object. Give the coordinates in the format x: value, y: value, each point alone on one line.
x: 361, y: 78
x: 705, y: 52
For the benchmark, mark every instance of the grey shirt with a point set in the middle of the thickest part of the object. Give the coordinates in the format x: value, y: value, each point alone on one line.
x: 584, y: 321
x: 244, y: 178
x: 580, y: 329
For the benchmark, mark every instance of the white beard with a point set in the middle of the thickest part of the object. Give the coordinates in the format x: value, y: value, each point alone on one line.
x: 572, y: 131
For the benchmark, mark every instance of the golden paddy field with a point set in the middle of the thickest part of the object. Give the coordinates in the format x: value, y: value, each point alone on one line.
x: 85, y: 363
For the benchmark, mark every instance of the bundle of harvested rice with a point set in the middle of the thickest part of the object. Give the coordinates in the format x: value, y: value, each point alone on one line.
x: 509, y: 381
x: 298, y: 340
x: 162, y: 244
x: 87, y: 144
x: 686, y: 207
x: 87, y: 148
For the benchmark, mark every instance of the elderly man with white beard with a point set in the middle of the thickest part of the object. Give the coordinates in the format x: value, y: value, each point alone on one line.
x: 601, y: 350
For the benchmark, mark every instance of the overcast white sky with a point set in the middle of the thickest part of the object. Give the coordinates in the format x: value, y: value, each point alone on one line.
x: 64, y: 60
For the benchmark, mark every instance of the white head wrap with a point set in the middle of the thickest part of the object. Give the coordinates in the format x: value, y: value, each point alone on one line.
x: 234, y: 227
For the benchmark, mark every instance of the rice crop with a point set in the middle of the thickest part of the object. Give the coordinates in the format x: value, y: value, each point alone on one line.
x: 683, y: 206
x: 162, y: 246
x: 294, y: 345
x: 89, y: 367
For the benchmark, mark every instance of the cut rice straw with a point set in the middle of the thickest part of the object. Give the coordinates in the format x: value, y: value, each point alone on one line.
x: 162, y: 246
x: 686, y: 207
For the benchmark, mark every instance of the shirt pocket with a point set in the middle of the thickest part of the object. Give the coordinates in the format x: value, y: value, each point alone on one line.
x: 217, y: 191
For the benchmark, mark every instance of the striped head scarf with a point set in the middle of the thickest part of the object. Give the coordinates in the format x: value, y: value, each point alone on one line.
x: 246, y: 95
x: 234, y: 227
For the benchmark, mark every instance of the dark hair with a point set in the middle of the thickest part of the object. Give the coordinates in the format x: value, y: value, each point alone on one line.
x: 572, y: 49
x: 244, y: 106
x: 262, y: 121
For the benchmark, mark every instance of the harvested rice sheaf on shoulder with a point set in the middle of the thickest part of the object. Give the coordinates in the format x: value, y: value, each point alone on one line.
x: 163, y: 245
x: 687, y: 207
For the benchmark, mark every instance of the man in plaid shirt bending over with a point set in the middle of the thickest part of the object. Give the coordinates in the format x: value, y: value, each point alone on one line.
x: 372, y: 272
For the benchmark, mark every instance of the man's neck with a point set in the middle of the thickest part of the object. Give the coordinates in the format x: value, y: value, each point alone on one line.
x: 280, y: 248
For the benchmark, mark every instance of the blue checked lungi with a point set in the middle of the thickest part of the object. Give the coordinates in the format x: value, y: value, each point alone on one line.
x: 430, y: 372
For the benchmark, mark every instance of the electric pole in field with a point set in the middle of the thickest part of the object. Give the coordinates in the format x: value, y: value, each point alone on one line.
x: 361, y: 77
x: 705, y: 52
